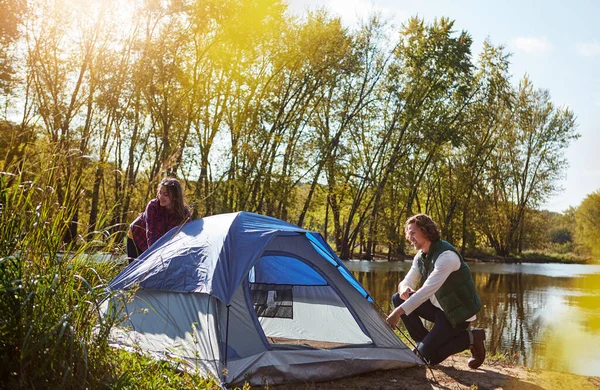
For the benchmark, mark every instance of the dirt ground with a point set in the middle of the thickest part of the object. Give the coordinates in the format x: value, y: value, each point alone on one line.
x: 454, y: 374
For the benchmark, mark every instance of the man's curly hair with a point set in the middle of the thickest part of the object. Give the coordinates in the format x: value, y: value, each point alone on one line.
x: 425, y: 224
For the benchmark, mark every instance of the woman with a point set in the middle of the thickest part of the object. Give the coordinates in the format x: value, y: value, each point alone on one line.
x: 161, y: 215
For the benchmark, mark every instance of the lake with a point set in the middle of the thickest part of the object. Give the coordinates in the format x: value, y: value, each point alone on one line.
x: 543, y: 316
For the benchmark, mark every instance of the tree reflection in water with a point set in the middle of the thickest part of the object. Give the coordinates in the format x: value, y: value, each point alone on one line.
x: 524, y: 312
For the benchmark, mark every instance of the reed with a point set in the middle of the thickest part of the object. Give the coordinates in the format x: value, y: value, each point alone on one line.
x: 51, y: 334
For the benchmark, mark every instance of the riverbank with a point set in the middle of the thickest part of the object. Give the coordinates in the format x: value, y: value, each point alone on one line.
x: 526, y: 257
x: 532, y: 257
x: 454, y: 374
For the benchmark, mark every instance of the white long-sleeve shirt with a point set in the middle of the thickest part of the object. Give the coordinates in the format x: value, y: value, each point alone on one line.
x: 446, y: 263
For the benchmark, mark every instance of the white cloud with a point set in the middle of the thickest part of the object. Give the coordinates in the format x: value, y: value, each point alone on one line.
x: 588, y: 49
x: 532, y: 44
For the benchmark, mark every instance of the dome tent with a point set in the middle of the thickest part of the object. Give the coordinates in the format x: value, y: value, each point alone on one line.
x: 245, y: 297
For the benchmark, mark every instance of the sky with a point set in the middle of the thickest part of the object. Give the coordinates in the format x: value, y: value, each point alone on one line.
x: 555, y: 43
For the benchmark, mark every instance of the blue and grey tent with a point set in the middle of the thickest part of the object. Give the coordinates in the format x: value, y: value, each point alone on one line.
x: 245, y: 297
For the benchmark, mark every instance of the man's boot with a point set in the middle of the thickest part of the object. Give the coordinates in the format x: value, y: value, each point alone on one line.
x: 477, y: 348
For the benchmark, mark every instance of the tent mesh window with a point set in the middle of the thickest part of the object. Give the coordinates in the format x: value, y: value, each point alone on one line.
x: 272, y: 300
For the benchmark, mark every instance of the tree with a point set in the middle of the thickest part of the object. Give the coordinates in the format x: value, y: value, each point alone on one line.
x: 427, y: 89
x: 526, y: 164
x: 11, y: 17
x: 346, y: 105
x: 59, y: 57
x: 587, y: 219
x: 462, y: 167
x: 303, y: 119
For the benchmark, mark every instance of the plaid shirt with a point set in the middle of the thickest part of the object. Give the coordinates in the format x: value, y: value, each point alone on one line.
x: 151, y: 225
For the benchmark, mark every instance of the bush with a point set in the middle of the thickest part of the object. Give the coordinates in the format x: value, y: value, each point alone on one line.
x: 560, y: 236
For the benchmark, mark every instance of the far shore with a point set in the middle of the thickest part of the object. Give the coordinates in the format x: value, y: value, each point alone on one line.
x: 520, y: 260
x: 538, y: 258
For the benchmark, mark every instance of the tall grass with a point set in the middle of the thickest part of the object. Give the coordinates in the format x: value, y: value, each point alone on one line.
x: 50, y: 292
x: 51, y: 334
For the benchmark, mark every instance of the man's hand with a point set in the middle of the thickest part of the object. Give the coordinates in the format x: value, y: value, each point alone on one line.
x: 394, y: 317
x: 406, y: 293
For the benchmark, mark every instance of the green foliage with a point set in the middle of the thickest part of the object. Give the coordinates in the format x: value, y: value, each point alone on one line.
x: 587, y: 219
x: 552, y: 256
x: 549, y: 232
x: 11, y: 18
x: 525, y: 166
x: 248, y: 104
x: 133, y: 371
x: 560, y: 236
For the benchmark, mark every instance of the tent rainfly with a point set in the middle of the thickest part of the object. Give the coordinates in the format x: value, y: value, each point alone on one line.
x: 243, y: 297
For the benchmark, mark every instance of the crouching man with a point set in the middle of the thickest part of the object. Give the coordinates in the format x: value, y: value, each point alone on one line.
x: 447, y: 297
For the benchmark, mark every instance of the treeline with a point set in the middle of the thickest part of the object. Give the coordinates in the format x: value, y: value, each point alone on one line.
x: 344, y: 131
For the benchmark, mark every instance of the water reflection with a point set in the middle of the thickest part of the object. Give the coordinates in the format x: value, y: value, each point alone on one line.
x: 541, y: 315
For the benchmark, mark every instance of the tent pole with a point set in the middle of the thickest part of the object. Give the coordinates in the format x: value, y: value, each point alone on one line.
x: 226, y: 344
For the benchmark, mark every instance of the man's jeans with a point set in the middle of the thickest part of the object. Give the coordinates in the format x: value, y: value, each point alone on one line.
x: 442, y: 340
